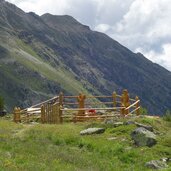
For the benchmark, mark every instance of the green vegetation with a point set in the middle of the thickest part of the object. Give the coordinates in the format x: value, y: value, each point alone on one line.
x: 167, y: 116
x: 60, y: 147
x: 143, y: 111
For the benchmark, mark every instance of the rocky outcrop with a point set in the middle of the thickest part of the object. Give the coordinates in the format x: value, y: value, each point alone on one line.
x: 143, y: 137
x: 156, y: 164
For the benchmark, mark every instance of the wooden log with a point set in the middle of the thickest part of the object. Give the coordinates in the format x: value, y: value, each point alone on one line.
x: 134, y: 104
x: 42, y: 114
x: 39, y: 104
x: 70, y: 97
x: 74, y: 109
x: 90, y: 97
x: 135, y: 110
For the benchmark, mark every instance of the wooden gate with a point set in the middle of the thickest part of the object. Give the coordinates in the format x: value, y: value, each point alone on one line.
x: 50, y: 113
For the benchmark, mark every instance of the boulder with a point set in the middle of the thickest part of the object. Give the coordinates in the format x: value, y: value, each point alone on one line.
x: 143, y: 137
x: 156, y: 164
x: 148, y: 127
x: 90, y: 131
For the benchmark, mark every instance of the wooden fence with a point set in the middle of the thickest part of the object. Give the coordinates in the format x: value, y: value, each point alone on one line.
x: 79, y: 108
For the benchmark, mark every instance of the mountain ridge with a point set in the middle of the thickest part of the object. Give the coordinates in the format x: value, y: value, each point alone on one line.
x: 57, y: 53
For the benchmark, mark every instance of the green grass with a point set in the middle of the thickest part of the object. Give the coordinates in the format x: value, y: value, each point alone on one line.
x: 60, y: 147
x: 60, y: 75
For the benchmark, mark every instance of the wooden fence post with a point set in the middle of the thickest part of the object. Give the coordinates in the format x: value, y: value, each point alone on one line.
x: 122, y: 111
x: 17, y: 114
x: 137, y: 106
x: 114, y: 99
x: 61, y: 99
x: 43, y: 114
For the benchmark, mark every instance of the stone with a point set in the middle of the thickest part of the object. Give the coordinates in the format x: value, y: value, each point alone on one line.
x: 129, y: 123
x: 100, y: 112
x: 90, y: 131
x: 3, y: 112
x: 143, y: 137
x: 109, y: 121
x: 112, y: 138
x: 156, y: 164
x: 148, y: 127
x: 116, y: 124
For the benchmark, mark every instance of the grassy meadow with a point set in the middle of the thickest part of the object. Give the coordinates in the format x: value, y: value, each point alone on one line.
x: 35, y: 147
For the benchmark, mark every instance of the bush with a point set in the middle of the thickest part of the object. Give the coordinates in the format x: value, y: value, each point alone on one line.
x: 143, y: 111
x: 167, y: 116
x: 1, y: 103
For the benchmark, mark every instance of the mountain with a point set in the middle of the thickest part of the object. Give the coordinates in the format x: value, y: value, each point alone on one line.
x: 43, y: 55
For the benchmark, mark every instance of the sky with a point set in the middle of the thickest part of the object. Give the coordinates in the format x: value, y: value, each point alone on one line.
x: 140, y: 25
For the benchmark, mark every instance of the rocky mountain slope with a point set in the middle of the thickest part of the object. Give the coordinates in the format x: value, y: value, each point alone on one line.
x: 43, y: 55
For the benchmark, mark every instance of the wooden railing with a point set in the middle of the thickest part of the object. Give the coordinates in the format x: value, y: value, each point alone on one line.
x: 79, y: 108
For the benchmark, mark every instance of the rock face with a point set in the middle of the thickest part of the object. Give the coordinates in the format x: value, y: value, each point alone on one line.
x: 60, y: 44
x: 90, y: 131
x: 143, y: 137
x: 156, y: 164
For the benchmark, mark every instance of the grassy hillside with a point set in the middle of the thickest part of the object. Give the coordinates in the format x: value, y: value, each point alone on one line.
x: 61, y: 147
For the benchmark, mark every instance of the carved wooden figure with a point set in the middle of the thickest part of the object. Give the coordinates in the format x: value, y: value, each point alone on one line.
x: 17, y: 114
x: 81, y: 103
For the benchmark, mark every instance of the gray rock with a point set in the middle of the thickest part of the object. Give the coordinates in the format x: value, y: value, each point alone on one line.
x: 109, y: 121
x: 100, y: 112
x: 90, y: 131
x: 143, y: 137
x: 156, y: 164
x: 112, y: 138
x: 148, y: 127
x: 116, y: 124
x: 129, y: 123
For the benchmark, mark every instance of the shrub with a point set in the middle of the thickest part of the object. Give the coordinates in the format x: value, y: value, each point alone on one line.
x: 167, y: 116
x: 143, y: 111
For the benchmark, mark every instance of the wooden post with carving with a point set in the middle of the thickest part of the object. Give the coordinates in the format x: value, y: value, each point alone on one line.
x: 61, y: 99
x: 125, y: 102
x: 137, y: 106
x: 81, y: 104
x: 17, y: 114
